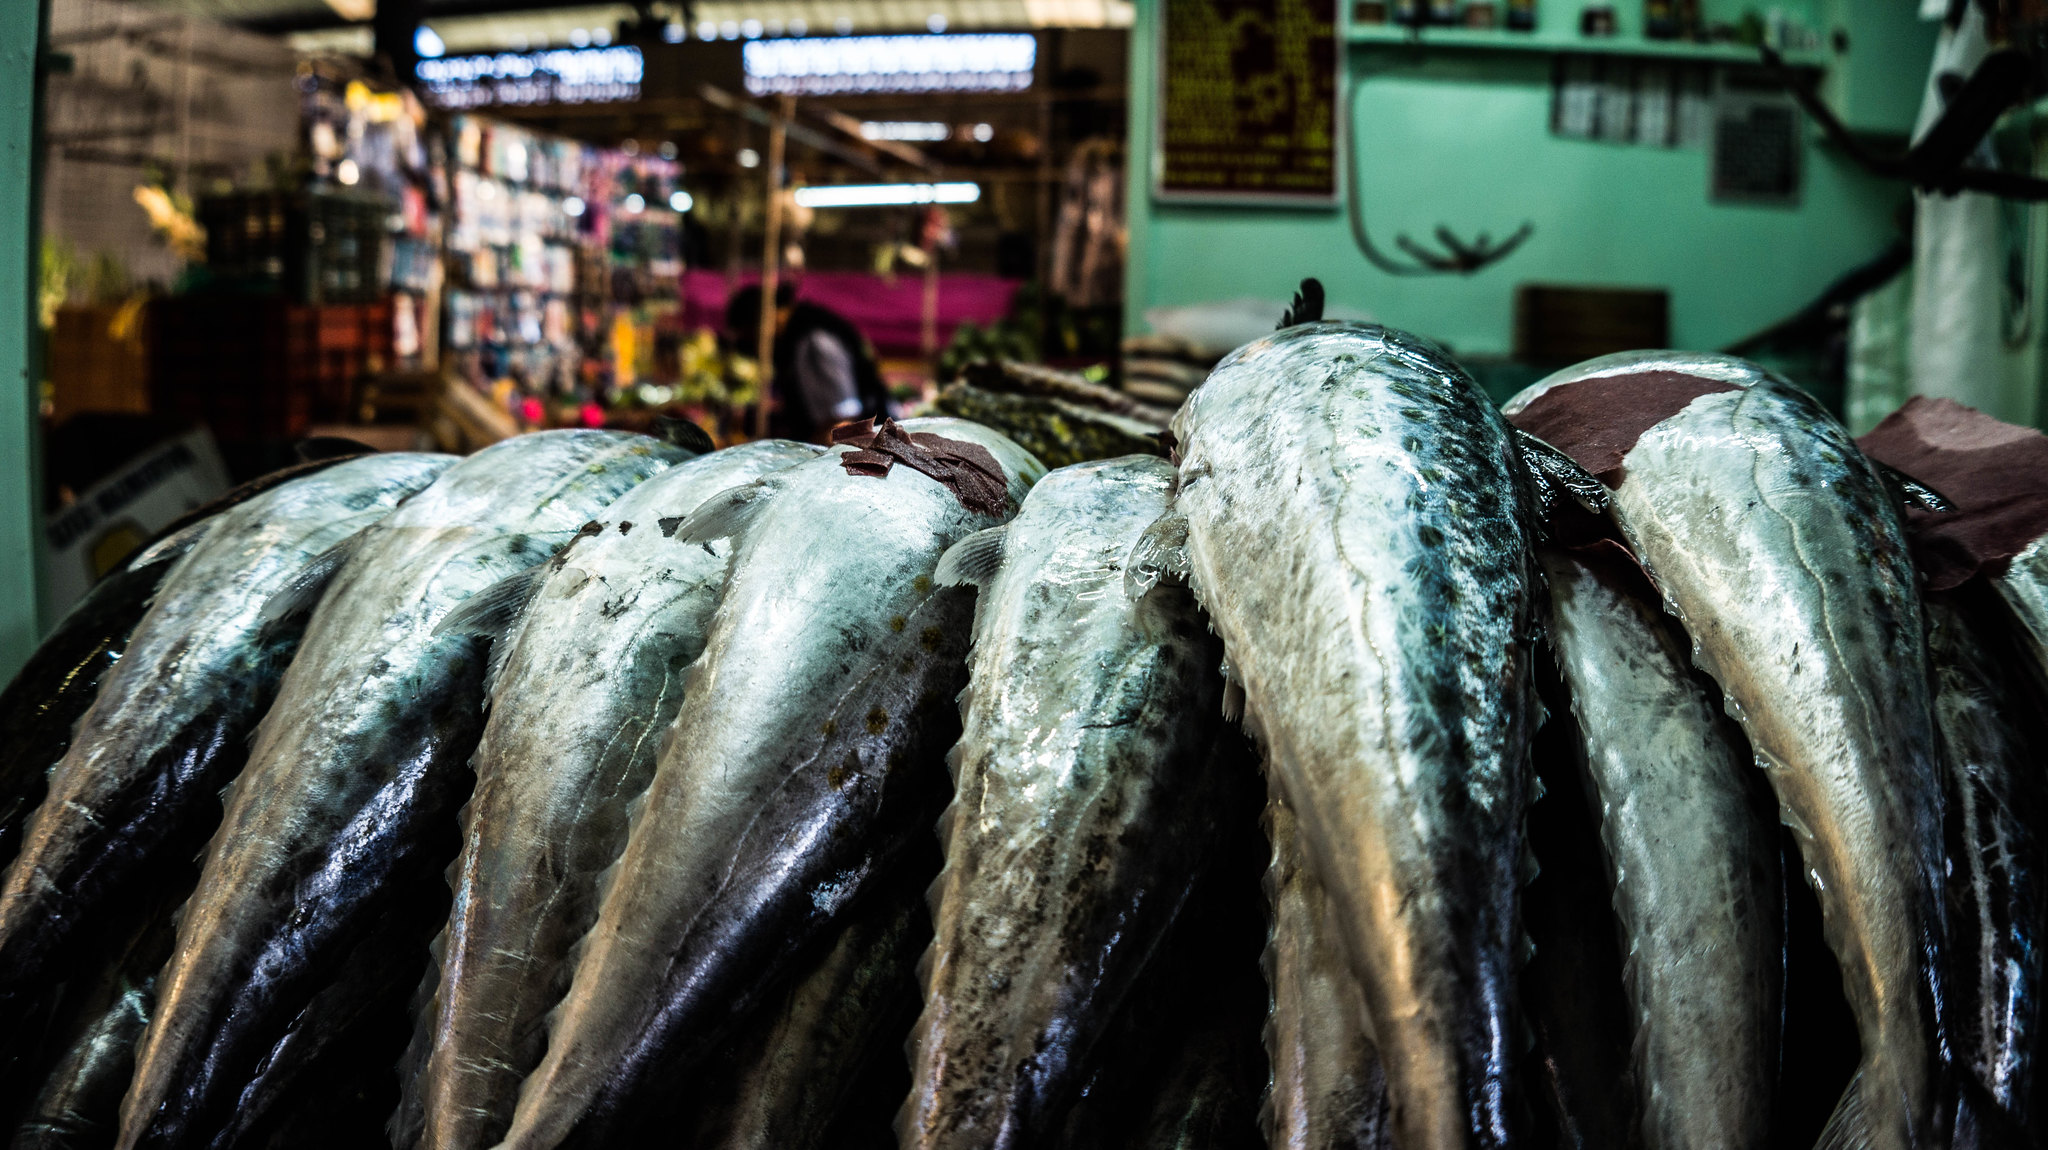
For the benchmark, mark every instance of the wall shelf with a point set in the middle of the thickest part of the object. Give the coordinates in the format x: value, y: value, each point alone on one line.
x: 1499, y: 40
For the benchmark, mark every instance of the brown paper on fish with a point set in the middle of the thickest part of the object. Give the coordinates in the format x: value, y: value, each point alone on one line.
x: 968, y: 470
x: 1596, y: 421
x: 1995, y: 473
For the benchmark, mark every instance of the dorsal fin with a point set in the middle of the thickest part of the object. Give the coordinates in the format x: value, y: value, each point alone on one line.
x: 493, y: 611
x: 1161, y: 553
x: 314, y: 448
x: 974, y: 559
x: 1557, y: 477
x: 296, y: 599
x: 1307, y: 306
x: 1910, y: 492
x: 172, y: 546
x: 724, y: 515
x: 683, y: 433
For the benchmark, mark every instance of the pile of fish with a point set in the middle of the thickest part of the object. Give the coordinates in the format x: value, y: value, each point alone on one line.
x: 1379, y: 769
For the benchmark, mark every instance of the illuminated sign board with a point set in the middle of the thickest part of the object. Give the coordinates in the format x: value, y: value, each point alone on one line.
x: 556, y: 76
x: 835, y: 65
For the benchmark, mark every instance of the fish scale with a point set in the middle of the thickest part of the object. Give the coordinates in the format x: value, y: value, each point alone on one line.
x: 1356, y: 519
x: 357, y: 768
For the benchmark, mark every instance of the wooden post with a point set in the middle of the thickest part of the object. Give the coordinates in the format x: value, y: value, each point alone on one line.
x: 771, y: 260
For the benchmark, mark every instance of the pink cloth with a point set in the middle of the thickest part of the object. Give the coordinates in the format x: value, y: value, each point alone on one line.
x: 890, y: 312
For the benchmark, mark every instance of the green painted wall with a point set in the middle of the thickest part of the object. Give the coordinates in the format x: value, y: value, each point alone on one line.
x: 20, y: 30
x: 1462, y: 138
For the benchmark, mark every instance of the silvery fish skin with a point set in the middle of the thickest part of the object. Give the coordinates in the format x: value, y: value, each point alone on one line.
x: 796, y: 1070
x: 1079, y: 812
x: 40, y: 709
x: 170, y: 723
x: 1777, y: 545
x: 1357, y: 523
x: 593, y: 678
x: 1696, y: 884
x: 357, y: 769
x: 795, y: 767
x: 1183, y: 1067
x: 2024, y: 586
x: 100, y: 1019
x: 1327, y: 1091
x: 1996, y: 898
x: 347, y: 1019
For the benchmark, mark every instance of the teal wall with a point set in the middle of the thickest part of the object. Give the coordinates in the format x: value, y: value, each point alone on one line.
x: 20, y: 25
x: 1461, y: 138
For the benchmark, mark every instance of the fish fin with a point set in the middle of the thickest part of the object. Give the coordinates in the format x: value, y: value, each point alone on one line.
x: 1848, y: 1127
x: 492, y: 612
x: 974, y: 559
x: 725, y: 515
x: 1161, y: 553
x: 683, y: 433
x: 1910, y: 492
x: 1233, y: 694
x: 409, y: 1120
x: 1558, y: 476
x: 314, y: 448
x: 173, y: 545
x: 297, y: 598
x: 1307, y: 306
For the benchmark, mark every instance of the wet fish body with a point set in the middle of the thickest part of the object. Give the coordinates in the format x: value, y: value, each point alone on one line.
x: 1356, y: 522
x: 796, y: 1070
x: 1084, y: 792
x: 1997, y: 903
x: 1327, y: 1090
x: 601, y: 637
x: 2024, y: 587
x: 356, y: 770
x: 41, y: 707
x: 803, y: 758
x: 1779, y: 548
x: 169, y: 724
x: 1692, y: 858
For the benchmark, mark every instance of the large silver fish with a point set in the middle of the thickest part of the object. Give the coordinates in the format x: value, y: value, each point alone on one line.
x: 1327, y: 1090
x: 40, y: 709
x: 171, y: 721
x: 1693, y: 860
x: 358, y: 767
x: 1778, y: 546
x: 800, y: 761
x: 598, y: 640
x: 1991, y: 733
x: 1083, y: 805
x: 1356, y: 518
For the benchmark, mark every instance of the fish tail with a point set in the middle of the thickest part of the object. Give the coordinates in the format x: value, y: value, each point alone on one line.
x: 1849, y: 1127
